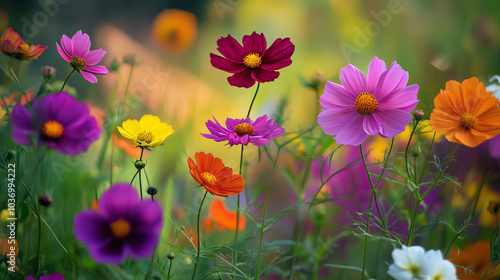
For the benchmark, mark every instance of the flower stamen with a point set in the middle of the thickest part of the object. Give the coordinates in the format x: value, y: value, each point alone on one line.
x: 243, y: 129
x: 366, y: 103
x: 52, y: 129
x: 252, y: 60
x: 468, y: 121
x: 121, y: 228
x: 146, y: 136
x: 78, y: 62
x: 207, y: 178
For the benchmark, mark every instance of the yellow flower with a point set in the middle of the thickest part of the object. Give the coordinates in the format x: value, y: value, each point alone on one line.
x: 147, y: 133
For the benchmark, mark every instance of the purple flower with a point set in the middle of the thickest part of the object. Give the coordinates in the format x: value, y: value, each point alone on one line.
x: 77, y: 52
x: 124, y: 225
x: 495, y: 147
x: 252, y: 62
x: 244, y: 131
x: 381, y: 103
x: 53, y: 276
x: 58, y: 121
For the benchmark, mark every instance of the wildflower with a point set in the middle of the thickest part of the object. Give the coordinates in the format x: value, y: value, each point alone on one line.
x: 58, y: 121
x: 48, y: 72
x: 123, y: 225
x: 11, y: 44
x: 223, y: 217
x: 419, y: 115
x: 466, y: 113
x: 381, y: 103
x: 244, y: 131
x: 53, y: 276
x: 435, y: 267
x: 408, y: 263
x: 149, y: 132
x: 77, y: 52
x: 174, y: 30
x: 476, y: 257
x: 252, y: 62
x: 214, y: 176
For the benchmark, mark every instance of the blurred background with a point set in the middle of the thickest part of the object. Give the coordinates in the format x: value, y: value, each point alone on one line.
x: 169, y: 43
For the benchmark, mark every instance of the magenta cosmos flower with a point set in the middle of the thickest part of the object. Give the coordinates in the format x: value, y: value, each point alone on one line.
x: 378, y: 104
x: 244, y: 131
x: 252, y: 62
x: 58, y: 121
x: 123, y: 225
x: 77, y: 52
x: 53, y: 276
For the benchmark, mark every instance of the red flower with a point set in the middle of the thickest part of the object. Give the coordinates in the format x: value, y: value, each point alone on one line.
x: 252, y: 62
x: 12, y: 45
x: 214, y: 176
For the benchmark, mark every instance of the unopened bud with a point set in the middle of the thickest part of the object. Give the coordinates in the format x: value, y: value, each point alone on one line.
x: 130, y: 59
x: 48, y: 72
x: 115, y: 65
x: 45, y: 200
x: 416, y: 151
x: 318, y: 79
x: 152, y: 191
x: 493, y: 207
x: 419, y: 114
x: 139, y: 164
x: 170, y: 256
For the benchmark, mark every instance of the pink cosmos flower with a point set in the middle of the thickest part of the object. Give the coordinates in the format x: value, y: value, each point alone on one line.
x: 381, y: 103
x: 77, y: 52
x: 252, y: 62
x: 244, y: 131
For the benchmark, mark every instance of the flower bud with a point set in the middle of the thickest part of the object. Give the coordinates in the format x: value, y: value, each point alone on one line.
x: 318, y: 79
x: 10, y: 155
x: 170, y: 256
x: 419, y: 114
x: 115, y: 65
x: 130, y: 59
x: 139, y: 164
x: 48, y: 72
x: 152, y: 191
x: 416, y: 151
x: 493, y: 207
x: 45, y: 200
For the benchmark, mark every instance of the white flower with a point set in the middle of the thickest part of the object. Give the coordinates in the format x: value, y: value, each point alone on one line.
x: 408, y: 263
x: 495, y: 88
x: 436, y: 268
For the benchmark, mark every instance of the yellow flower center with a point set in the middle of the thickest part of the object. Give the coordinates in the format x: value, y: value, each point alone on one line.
x: 52, y: 129
x: 414, y: 269
x: 78, y: 62
x: 468, y: 121
x: 120, y: 228
x: 252, y: 60
x: 437, y: 277
x: 243, y: 129
x: 207, y: 178
x: 366, y: 103
x: 146, y: 136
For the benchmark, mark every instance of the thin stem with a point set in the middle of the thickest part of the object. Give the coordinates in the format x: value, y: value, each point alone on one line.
x: 262, y: 230
x: 198, y: 236
x: 140, y: 182
x: 150, y: 264
x: 253, y: 99
x: 427, y: 158
x: 39, y: 218
x: 407, y: 164
x: 235, y: 253
x: 169, y: 269
x: 6, y: 107
x: 128, y: 81
x: 67, y: 78
x: 131, y: 181
x: 369, y: 212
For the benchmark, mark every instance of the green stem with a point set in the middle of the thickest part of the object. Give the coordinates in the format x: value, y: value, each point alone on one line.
x: 128, y: 81
x: 198, y: 236
x: 150, y: 264
x: 67, y: 78
x: 253, y: 99
x: 6, y: 107
x: 262, y: 228
x: 407, y: 163
x: 235, y: 253
x: 39, y: 218
x: 169, y: 269
x: 427, y: 158
x: 483, y: 180
x: 365, y: 251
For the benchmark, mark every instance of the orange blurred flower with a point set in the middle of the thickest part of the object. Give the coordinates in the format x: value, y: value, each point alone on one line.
x: 214, y: 176
x: 12, y: 45
x: 476, y: 257
x: 466, y: 113
x: 223, y: 217
x: 174, y: 30
x: 127, y: 146
x: 5, y: 244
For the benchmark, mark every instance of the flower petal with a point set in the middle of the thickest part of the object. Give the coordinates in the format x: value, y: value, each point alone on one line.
x: 242, y: 79
x: 255, y: 43
x: 231, y: 49
x: 91, y: 227
x: 89, y: 77
x: 335, y: 95
x: 94, y: 57
x: 278, y: 55
x: 98, y: 69
x: 262, y: 76
x: 376, y: 68
x: 353, y: 80
x: 81, y: 44
x: 62, y: 53
x: 392, y: 79
x: 393, y: 121
x: 226, y: 65
x: 67, y: 45
x: 118, y: 201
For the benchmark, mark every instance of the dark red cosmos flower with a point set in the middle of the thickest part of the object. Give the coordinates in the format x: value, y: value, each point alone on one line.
x: 252, y: 62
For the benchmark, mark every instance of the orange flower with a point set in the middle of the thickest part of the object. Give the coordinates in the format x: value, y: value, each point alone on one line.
x: 127, y: 146
x: 174, y: 30
x: 466, y: 113
x: 475, y: 257
x: 214, y: 176
x: 12, y: 45
x: 10, y: 41
x: 224, y: 217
